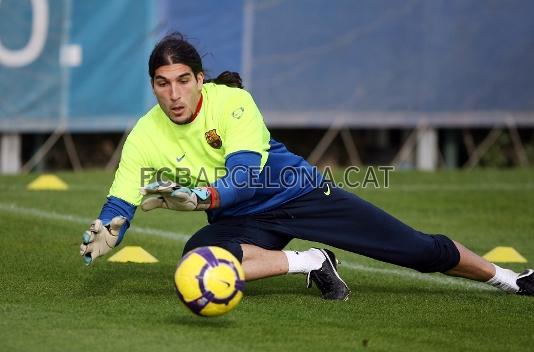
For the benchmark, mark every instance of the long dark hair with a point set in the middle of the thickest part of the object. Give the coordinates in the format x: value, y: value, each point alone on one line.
x: 230, y: 79
x: 175, y: 49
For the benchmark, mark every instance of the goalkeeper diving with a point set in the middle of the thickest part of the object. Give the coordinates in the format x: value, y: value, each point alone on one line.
x: 205, y: 126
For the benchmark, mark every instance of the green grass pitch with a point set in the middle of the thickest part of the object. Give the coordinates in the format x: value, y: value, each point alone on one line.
x: 49, y: 301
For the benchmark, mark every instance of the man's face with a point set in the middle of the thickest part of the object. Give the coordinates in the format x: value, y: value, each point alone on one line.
x: 178, y: 91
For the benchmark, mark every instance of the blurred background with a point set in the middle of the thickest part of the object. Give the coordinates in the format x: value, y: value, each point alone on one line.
x: 421, y: 84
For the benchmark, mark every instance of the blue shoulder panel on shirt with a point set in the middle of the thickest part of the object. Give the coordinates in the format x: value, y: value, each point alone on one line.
x: 284, y: 177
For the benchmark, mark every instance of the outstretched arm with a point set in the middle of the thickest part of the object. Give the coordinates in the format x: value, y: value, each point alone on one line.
x: 108, y: 230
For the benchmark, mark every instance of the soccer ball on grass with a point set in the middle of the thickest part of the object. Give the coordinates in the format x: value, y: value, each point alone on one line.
x: 209, y: 281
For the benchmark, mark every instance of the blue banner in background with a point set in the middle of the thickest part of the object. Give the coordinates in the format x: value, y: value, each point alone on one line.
x: 111, y: 87
x: 366, y: 63
x: 214, y: 27
x: 30, y: 77
x: 103, y: 83
x: 405, y: 60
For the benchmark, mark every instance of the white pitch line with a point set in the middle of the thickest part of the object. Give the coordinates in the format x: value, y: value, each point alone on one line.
x: 13, y: 208
x: 404, y: 273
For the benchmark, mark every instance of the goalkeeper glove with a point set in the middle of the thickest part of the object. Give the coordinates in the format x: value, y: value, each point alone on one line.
x: 175, y: 197
x: 100, y: 238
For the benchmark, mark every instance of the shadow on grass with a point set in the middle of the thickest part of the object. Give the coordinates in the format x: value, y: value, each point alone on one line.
x: 419, y: 290
x: 282, y: 285
x: 155, y: 280
x: 193, y: 321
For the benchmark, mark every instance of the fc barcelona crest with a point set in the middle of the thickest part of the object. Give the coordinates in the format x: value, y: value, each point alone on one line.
x: 213, y: 139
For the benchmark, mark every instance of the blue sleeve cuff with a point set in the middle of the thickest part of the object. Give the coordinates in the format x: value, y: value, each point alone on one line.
x: 234, y: 188
x: 117, y: 207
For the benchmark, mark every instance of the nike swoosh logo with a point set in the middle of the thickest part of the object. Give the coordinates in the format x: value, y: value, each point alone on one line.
x: 178, y: 159
x: 225, y: 282
x: 327, y: 192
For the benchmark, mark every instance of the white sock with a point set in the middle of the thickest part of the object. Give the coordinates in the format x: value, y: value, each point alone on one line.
x: 504, y: 279
x: 304, y: 262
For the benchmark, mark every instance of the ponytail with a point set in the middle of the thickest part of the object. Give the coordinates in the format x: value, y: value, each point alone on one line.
x: 230, y: 79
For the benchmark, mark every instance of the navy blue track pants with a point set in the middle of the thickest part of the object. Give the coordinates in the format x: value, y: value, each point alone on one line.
x: 339, y: 219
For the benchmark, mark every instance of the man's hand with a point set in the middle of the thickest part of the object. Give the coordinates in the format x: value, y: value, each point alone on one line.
x: 100, y: 238
x: 174, y: 197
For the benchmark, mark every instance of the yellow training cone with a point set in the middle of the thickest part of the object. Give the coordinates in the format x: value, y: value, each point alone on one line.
x: 48, y: 183
x: 504, y: 255
x: 132, y: 254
